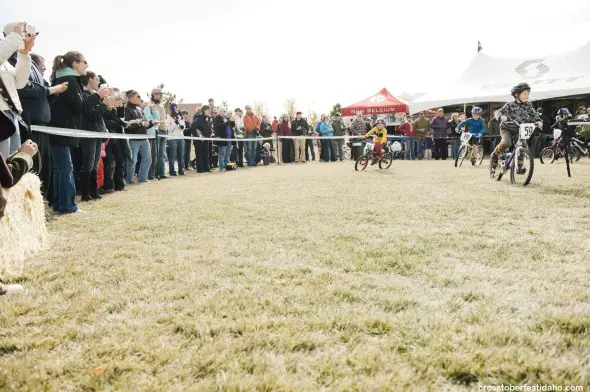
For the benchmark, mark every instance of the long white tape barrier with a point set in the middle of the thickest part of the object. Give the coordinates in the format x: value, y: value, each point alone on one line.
x: 77, y: 133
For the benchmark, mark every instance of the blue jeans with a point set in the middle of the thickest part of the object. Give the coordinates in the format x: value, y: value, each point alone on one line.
x: 176, y: 151
x: 419, y: 141
x: 328, y: 153
x: 410, y: 148
x: 455, y: 143
x: 251, y: 150
x: 139, y: 147
x: 161, y: 159
x: 224, y: 156
x: 64, y: 189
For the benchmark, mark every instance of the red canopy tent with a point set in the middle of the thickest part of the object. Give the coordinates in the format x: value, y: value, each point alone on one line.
x: 380, y: 103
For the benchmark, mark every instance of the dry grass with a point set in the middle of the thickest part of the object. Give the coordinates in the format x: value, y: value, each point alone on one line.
x: 311, y: 277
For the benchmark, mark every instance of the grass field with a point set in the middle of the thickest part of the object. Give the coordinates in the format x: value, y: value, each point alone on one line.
x: 311, y: 277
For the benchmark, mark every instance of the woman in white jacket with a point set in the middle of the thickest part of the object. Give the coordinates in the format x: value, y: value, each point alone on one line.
x: 11, y: 80
x: 175, y: 126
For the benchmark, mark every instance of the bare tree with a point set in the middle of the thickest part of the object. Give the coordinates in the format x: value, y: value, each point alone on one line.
x: 259, y: 108
x: 312, y: 117
x: 291, y: 107
x: 167, y: 98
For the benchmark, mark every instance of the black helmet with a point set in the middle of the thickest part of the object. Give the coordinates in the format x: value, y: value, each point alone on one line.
x: 519, y: 88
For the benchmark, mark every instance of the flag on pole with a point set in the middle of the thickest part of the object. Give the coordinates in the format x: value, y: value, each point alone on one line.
x: 479, y: 47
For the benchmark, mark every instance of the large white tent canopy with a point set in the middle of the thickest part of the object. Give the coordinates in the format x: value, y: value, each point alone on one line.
x: 489, y: 79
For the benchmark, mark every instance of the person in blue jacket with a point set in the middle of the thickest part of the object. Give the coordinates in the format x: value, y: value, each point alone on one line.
x: 477, y: 127
x: 325, y: 129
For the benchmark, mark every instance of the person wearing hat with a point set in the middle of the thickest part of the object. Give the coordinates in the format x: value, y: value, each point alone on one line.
x: 175, y: 126
x: 158, y: 145
x: 339, y: 131
x: 13, y: 78
x: 299, y: 128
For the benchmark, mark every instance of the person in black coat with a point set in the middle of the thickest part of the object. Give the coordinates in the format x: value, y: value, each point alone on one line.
x: 202, y: 127
x: 66, y: 112
x: 224, y: 129
x: 34, y: 100
x: 117, y: 151
x: 92, y: 120
x: 187, y: 143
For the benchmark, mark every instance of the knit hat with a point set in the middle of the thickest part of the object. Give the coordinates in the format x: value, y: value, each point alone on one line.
x: 183, y: 112
x: 173, y: 106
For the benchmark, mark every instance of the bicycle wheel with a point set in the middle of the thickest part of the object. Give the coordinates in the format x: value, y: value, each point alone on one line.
x: 461, y: 155
x: 521, y: 168
x: 575, y: 153
x: 386, y: 161
x: 361, y: 163
x: 480, y: 154
x: 548, y: 154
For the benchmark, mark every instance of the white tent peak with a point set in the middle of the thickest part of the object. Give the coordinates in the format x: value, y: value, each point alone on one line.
x: 489, y: 78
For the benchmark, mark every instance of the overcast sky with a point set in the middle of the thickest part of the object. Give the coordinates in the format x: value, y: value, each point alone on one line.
x: 318, y: 52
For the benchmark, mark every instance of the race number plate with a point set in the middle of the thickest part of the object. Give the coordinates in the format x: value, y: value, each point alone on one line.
x: 526, y: 131
x: 556, y: 133
x: 465, y: 137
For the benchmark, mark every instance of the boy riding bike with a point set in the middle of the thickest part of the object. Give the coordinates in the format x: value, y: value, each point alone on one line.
x: 477, y: 127
x: 521, y: 111
x: 381, y: 140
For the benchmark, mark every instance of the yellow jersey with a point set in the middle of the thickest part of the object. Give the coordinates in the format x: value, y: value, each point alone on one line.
x: 381, y: 135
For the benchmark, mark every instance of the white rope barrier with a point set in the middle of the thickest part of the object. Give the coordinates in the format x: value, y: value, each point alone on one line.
x: 77, y: 133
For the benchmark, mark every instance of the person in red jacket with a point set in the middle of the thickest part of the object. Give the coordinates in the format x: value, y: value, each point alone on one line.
x: 409, y: 131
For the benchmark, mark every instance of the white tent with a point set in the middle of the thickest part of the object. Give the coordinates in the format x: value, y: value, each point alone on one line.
x: 489, y: 79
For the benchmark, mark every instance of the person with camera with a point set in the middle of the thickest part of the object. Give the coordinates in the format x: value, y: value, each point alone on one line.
x: 117, y: 150
x: 12, y: 169
x: 175, y: 126
x: 21, y: 39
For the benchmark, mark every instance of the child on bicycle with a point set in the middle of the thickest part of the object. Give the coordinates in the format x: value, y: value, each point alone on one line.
x: 477, y: 127
x: 520, y: 110
x: 381, y: 140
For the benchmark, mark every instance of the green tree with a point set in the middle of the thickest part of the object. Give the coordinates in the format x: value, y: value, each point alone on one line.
x: 336, y: 109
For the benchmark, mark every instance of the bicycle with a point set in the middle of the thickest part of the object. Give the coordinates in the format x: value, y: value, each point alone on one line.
x: 465, y: 147
x: 557, y: 149
x: 362, y: 162
x: 517, y: 158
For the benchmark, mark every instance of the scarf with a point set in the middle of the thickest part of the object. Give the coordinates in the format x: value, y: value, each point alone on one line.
x: 66, y: 71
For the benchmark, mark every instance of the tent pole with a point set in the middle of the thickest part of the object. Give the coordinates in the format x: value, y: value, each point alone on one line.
x: 465, y: 108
